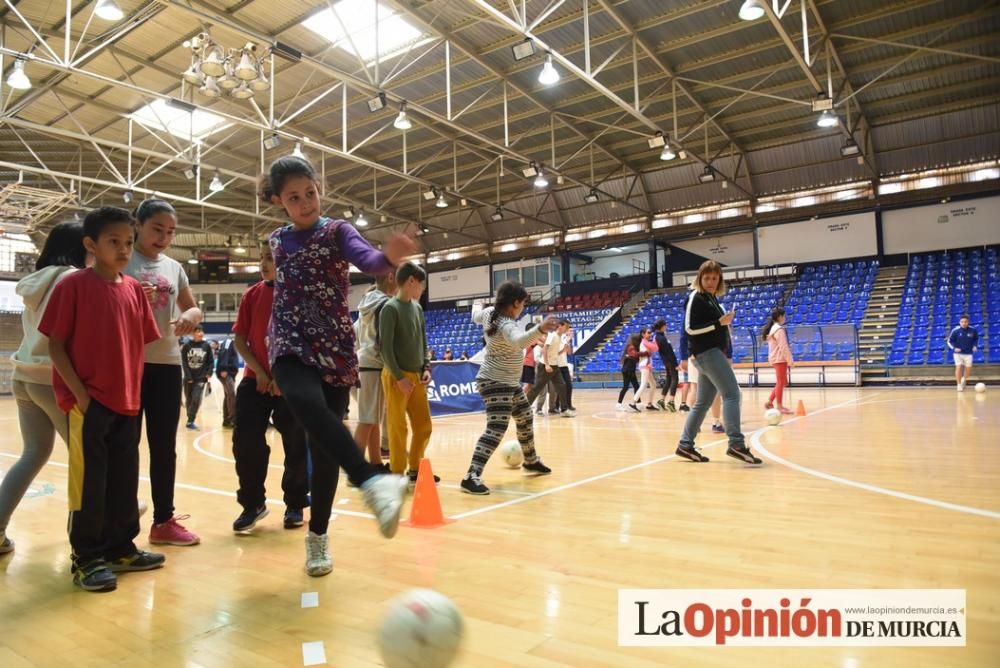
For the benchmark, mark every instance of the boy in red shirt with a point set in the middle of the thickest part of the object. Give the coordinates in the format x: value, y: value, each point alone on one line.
x: 258, y: 401
x: 98, y: 321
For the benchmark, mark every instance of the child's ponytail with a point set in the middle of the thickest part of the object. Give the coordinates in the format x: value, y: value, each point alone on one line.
x: 776, y: 313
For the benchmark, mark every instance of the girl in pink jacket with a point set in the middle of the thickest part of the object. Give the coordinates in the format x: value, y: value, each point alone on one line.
x: 779, y: 355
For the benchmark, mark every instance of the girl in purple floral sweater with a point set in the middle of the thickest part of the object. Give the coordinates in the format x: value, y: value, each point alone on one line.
x: 311, y: 344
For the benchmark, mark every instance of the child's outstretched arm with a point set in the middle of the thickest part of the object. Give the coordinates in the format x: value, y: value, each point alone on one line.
x: 369, y: 259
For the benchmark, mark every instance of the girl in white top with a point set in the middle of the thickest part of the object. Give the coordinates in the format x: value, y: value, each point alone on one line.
x: 37, y: 412
x: 498, y: 382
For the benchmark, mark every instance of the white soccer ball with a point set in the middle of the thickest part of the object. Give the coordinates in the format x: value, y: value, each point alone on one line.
x: 422, y: 628
x: 980, y: 387
x: 773, y: 416
x: 512, y: 454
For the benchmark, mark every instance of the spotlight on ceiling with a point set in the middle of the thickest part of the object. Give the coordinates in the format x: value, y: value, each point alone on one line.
x: 441, y: 202
x: 707, y: 176
x: 127, y: 196
x: 591, y: 197
x: 530, y: 171
x: 191, y: 172
x: 667, y: 153
x: 540, y: 180
x: 850, y: 148
x: 497, y: 215
x: 430, y: 194
x: 377, y: 103
x: 361, y: 221
x: 525, y: 49
x: 657, y: 140
x: 216, y: 185
x: 271, y: 143
x: 17, y: 78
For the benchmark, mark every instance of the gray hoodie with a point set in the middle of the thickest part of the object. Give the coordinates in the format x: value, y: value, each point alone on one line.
x: 31, y: 361
x: 369, y: 356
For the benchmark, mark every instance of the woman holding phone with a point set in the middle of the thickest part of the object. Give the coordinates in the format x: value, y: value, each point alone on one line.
x: 707, y: 327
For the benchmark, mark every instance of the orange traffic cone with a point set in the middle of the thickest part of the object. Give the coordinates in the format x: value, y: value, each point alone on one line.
x: 801, y: 410
x: 426, y: 512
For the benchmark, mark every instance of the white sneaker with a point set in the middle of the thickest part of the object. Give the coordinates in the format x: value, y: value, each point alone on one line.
x: 964, y: 380
x: 620, y: 408
x: 318, y: 561
x: 960, y: 387
x: 384, y: 496
x: 6, y: 544
x: 568, y: 413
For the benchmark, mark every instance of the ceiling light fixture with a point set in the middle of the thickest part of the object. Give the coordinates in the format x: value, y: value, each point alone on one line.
x: 402, y: 122
x: 361, y: 221
x: 18, y: 79
x: 540, y: 180
x: 549, y: 75
x: 441, y: 202
x: 297, y: 153
x: 827, y: 119
x: 127, y: 196
x: 497, y: 215
x: 667, y: 153
x: 216, y: 185
x: 215, y: 70
x: 109, y: 10
x: 657, y: 140
x: 850, y: 148
x: 591, y: 197
x: 707, y: 176
x: 271, y: 143
x: 240, y: 249
x: 751, y: 10
x: 530, y: 171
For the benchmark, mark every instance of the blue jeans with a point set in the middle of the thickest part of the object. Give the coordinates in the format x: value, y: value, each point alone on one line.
x: 716, y: 376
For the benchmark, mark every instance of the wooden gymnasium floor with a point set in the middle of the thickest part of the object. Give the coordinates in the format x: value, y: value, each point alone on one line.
x: 535, y: 566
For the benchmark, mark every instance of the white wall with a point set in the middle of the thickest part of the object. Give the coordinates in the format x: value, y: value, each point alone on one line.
x: 817, y: 240
x: 729, y: 250
x: 973, y: 222
x: 458, y: 284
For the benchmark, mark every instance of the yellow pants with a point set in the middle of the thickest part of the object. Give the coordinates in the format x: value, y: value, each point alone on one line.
x: 397, y: 407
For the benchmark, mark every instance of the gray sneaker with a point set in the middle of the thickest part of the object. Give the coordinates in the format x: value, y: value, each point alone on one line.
x: 318, y: 561
x: 384, y: 496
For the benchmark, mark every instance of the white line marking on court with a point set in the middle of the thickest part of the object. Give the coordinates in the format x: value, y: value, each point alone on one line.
x: 210, y: 490
x: 626, y: 469
x: 492, y: 489
x: 205, y: 452
x: 313, y: 653
x: 310, y: 599
x: 755, y: 439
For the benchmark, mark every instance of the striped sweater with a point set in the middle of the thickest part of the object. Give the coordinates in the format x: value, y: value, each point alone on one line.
x: 504, y: 356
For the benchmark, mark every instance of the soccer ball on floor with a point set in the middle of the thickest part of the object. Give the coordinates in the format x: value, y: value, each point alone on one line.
x: 980, y: 387
x: 422, y: 628
x: 773, y: 416
x: 512, y: 454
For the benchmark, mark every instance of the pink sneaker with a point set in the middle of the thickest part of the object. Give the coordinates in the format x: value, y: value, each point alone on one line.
x: 172, y: 533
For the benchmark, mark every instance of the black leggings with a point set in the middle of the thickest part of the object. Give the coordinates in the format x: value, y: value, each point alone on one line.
x: 161, y: 408
x: 670, y: 384
x: 320, y: 407
x: 628, y: 378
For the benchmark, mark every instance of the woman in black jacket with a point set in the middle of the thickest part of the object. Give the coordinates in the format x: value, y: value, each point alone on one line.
x: 707, y: 327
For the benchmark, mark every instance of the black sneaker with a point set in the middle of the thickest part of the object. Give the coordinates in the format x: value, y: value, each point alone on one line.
x: 137, y: 561
x: 473, y: 484
x: 691, y: 454
x: 744, y: 455
x: 662, y: 406
x: 537, y: 467
x: 95, y: 576
x: 248, y: 519
x: 634, y: 408
x: 683, y: 408
x: 293, y: 518
x: 412, y: 475
x: 651, y: 407
x: 671, y: 407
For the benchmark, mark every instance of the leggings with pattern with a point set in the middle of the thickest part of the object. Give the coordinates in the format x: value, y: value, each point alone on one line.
x: 503, y: 401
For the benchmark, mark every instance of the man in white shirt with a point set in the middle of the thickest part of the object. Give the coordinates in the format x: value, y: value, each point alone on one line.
x: 548, y: 371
